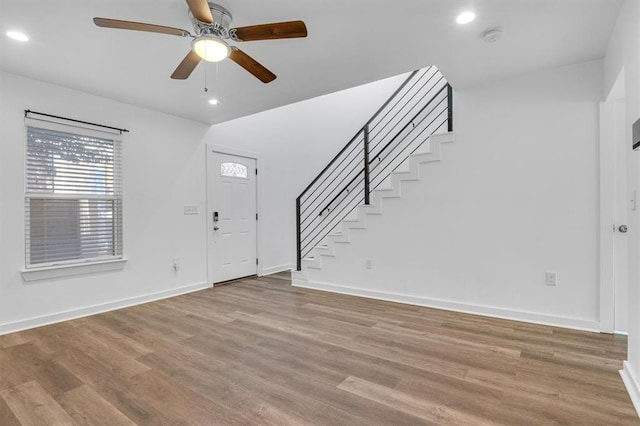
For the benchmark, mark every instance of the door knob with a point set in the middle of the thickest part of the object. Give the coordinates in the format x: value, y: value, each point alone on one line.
x: 622, y: 228
x: 215, y: 228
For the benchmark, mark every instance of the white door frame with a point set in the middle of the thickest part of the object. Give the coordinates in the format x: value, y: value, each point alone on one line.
x: 209, y: 220
x: 608, y: 173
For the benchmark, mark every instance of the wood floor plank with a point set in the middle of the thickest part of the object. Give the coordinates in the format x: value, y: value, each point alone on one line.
x: 553, y: 410
x: 436, y: 413
x: 9, y: 340
x: 32, y: 405
x: 298, y: 377
x: 120, y: 391
x: 12, y: 373
x: 200, y: 378
x: 101, y: 353
x: 87, y: 408
x: 113, y: 339
x: 7, y: 418
x: 466, y: 397
x: 41, y: 367
x: 159, y: 389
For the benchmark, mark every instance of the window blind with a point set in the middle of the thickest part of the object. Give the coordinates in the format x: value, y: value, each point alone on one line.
x: 73, y: 194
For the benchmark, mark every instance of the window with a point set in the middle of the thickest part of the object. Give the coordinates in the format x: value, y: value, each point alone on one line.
x: 234, y: 170
x: 73, y: 195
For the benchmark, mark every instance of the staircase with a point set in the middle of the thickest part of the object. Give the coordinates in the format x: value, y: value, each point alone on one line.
x: 339, y: 238
x: 405, y: 132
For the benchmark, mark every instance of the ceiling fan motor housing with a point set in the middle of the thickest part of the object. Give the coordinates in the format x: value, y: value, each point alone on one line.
x: 221, y: 22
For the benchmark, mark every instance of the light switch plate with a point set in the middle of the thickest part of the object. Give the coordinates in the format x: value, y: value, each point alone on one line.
x: 190, y: 209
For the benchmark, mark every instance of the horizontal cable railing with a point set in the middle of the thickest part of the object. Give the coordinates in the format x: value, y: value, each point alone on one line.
x: 420, y: 107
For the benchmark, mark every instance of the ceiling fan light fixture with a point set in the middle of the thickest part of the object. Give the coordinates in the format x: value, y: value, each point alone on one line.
x: 211, y: 48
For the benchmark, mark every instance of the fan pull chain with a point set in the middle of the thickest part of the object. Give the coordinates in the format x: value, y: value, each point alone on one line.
x: 206, y: 89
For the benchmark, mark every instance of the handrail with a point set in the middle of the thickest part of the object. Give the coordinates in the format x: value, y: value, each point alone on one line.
x: 330, y: 163
x: 378, y: 155
x: 410, y: 122
x: 330, y: 173
x: 346, y: 188
x: 405, y: 110
x: 409, y: 100
x: 386, y: 103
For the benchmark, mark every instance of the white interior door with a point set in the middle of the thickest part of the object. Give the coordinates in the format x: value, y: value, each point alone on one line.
x: 232, y: 215
x: 615, y: 203
x: 621, y: 215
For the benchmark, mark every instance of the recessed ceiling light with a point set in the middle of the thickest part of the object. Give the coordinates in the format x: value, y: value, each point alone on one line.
x: 465, y: 17
x: 214, y: 101
x: 17, y: 35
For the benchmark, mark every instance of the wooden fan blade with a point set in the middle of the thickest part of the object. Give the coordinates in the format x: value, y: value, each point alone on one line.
x: 138, y: 26
x: 276, y: 30
x: 186, y: 67
x: 251, y: 65
x: 200, y: 10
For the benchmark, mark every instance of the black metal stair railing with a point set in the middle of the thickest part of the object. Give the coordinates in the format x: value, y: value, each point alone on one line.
x: 420, y: 107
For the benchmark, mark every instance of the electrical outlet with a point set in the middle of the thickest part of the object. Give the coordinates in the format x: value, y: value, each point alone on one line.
x: 190, y: 210
x: 368, y: 263
x: 176, y: 263
x: 551, y: 278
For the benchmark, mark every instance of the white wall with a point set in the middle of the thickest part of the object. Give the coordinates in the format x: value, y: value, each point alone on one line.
x: 294, y: 143
x: 164, y: 170
x: 516, y: 195
x: 623, y: 56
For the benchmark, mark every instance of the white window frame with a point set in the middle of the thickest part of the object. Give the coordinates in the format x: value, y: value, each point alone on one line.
x: 61, y: 268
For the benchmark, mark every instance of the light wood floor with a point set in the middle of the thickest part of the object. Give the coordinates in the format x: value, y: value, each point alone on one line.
x: 261, y: 352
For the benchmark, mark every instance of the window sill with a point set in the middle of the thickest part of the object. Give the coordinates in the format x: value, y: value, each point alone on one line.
x: 35, y: 274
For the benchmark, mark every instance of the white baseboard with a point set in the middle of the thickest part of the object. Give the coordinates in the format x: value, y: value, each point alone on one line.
x: 572, y: 323
x: 632, y: 385
x: 40, y: 321
x: 276, y: 269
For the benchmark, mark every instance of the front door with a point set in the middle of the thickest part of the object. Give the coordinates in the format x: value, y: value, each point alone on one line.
x: 232, y: 215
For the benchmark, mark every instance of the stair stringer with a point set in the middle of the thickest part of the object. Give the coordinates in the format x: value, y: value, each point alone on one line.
x: 340, y: 237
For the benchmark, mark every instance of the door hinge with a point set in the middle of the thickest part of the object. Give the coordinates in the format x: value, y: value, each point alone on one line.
x: 256, y: 171
x: 256, y: 260
x: 256, y: 216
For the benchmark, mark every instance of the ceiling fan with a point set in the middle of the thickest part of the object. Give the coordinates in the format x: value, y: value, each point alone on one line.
x: 212, y: 26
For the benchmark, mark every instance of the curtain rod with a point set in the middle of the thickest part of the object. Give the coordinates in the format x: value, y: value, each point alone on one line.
x: 28, y: 111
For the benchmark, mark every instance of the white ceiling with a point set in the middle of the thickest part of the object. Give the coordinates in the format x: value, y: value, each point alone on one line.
x: 350, y: 42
